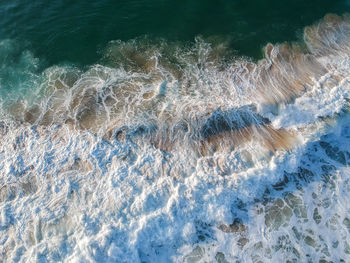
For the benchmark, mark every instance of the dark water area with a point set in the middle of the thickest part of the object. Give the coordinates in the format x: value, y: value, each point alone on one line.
x: 76, y: 31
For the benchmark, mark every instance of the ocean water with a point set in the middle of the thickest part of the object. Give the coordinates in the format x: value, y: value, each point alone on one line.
x: 155, y: 131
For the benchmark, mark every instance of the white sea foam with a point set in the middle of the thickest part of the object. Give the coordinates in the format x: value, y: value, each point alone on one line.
x: 166, y: 153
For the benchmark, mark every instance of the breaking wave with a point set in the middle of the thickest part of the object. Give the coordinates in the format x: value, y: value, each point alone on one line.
x: 166, y: 151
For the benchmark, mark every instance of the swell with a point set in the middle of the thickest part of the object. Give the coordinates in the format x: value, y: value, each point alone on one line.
x: 171, y: 95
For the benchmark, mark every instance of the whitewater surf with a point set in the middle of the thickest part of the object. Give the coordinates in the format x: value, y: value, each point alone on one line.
x: 171, y: 152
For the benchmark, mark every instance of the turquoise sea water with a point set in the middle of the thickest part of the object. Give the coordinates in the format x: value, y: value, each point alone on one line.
x: 75, y: 31
x: 175, y: 131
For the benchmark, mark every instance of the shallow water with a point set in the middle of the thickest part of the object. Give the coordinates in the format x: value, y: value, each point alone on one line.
x: 162, y: 149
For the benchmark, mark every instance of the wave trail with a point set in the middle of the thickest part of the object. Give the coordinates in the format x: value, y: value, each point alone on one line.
x: 168, y: 85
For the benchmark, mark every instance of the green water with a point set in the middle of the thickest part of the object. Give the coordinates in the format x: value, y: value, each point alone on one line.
x: 77, y: 31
